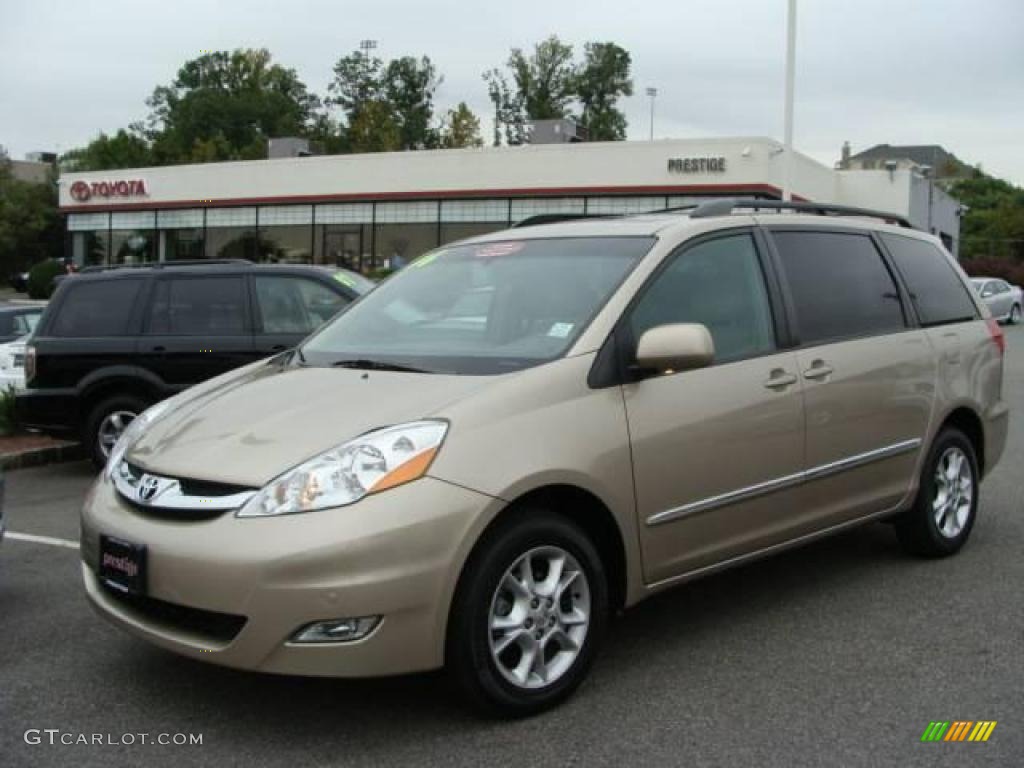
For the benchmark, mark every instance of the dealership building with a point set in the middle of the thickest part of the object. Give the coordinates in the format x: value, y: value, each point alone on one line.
x: 377, y: 210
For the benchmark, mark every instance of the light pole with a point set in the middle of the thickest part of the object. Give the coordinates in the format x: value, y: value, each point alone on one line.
x: 651, y: 93
x: 366, y: 46
x: 787, y: 158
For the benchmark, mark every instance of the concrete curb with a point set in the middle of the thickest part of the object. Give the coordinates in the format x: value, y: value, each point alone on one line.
x: 37, y: 457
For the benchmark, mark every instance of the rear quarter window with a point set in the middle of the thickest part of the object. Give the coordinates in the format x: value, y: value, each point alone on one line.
x: 939, y: 295
x: 96, y: 308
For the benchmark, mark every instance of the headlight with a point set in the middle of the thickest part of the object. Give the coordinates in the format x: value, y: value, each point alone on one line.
x: 373, y: 462
x: 133, y: 433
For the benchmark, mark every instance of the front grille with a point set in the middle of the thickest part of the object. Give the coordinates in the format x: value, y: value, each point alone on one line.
x: 221, y: 628
x: 198, y: 499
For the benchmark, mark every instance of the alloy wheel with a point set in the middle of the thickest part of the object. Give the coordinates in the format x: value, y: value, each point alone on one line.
x: 539, y: 617
x: 954, y: 492
x: 111, y: 428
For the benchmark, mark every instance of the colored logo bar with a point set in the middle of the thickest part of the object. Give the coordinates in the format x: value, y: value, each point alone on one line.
x: 958, y: 730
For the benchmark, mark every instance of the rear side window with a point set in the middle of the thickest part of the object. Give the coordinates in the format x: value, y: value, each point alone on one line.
x: 935, y: 288
x: 207, y: 306
x: 100, y: 308
x: 839, y: 285
x: 295, y: 304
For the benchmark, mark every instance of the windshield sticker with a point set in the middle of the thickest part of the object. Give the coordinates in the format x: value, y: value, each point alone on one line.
x: 344, y: 279
x: 493, y: 250
x: 560, y: 330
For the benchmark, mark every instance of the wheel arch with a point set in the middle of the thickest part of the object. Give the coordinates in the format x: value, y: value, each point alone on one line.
x: 966, y: 419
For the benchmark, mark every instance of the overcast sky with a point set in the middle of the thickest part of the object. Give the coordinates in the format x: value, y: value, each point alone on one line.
x: 949, y: 72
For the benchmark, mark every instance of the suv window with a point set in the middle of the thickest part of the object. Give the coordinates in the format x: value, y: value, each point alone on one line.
x: 206, y: 306
x: 935, y: 288
x: 25, y: 323
x: 718, y: 283
x: 96, y: 308
x: 295, y: 304
x: 839, y: 285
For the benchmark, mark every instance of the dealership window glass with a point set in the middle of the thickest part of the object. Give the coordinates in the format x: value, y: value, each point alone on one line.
x: 182, y: 244
x: 411, y: 212
x: 536, y: 206
x: 283, y: 215
x: 295, y: 304
x: 469, y: 211
x: 482, y: 309
x: 97, y: 308
x: 180, y: 218
x: 211, y: 305
x: 395, y: 245
x: 132, y: 246
x: 81, y: 222
x: 89, y: 248
x: 343, y: 245
x: 719, y: 284
x: 231, y: 243
x: 839, y: 284
x: 286, y: 244
x: 452, y: 232
x: 343, y: 213
x: 624, y: 205
x: 935, y: 288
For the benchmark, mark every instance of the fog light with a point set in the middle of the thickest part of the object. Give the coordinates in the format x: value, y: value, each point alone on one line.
x: 336, y: 630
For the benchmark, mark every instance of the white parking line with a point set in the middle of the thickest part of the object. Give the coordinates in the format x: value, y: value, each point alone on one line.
x: 41, y: 540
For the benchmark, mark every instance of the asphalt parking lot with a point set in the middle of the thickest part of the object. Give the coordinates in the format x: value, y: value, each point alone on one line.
x: 839, y: 653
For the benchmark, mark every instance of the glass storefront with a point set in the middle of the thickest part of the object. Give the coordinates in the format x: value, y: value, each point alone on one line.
x: 362, y: 236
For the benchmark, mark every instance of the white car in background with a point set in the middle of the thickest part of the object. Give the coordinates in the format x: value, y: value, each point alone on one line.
x: 12, y: 364
x: 1004, y: 300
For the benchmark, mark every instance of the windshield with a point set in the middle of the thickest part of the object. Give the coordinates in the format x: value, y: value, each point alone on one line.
x: 480, y: 308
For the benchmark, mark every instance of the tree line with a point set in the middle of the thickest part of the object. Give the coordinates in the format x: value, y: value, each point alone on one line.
x: 226, y: 105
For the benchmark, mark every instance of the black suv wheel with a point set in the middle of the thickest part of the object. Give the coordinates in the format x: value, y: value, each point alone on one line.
x: 105, y: 423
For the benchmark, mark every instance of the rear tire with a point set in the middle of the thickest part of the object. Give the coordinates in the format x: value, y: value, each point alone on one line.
x: 528, y: 616
x: 947, y: 498
x: 105, y: 423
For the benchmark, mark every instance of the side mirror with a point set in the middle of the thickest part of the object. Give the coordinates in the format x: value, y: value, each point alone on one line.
x: 986, y: 293
x: 675, y: 347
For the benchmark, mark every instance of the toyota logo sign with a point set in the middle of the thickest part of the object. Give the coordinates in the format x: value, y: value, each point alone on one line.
x: 82, y: 191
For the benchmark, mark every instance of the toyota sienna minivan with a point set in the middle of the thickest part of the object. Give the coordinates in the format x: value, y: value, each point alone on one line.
x: 476, y: 464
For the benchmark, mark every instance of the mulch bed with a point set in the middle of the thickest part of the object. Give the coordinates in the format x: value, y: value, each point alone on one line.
x: 17, y: 451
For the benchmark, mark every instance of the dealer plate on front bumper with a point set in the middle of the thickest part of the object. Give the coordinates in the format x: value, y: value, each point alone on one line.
x: 123, y: 565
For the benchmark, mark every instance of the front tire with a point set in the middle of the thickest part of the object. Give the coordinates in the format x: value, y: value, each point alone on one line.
x: 1015, y: 315
x: 947, y: 498
x: 528, y: 616
x: 105, y: 423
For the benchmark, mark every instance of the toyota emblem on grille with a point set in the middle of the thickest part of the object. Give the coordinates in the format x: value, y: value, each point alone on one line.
x: 149, y: 486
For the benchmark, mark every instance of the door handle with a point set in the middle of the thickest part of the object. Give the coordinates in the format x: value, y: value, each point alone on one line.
x: 818, y: 370
x: 159, y: 349
x: 779, y: 379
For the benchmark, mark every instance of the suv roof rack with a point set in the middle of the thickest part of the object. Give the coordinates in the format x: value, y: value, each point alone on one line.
x: 554, y: 218
x: 726, y: 206
x: 161, y: 265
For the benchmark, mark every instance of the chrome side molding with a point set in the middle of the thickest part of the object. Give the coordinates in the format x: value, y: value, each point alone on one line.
x: 777, y: 484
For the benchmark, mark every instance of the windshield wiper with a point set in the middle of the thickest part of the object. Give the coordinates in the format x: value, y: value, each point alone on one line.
x: 377, y: 365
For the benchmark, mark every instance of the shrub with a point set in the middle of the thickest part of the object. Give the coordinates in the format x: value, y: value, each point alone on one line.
x: 41, y: 276
x: 1008, y: 269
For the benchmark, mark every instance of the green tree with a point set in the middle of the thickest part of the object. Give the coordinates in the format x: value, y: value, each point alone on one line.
x: 993, y: 224
x: 409, y: 86
x: 600, y: 82
x: 357, y: 81
x: 460, y: 128
x: 225, y: 106
x: 125, y: 149
x: 30, y: 227
x: 374, y: 129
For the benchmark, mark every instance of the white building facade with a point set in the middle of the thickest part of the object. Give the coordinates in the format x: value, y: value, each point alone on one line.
x: 377, y: 210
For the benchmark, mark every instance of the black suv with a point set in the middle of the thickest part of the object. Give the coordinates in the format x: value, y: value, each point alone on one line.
x: 115, y: 340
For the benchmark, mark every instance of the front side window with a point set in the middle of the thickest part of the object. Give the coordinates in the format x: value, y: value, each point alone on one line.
x: 294, y: 304
x: 481, y: 308
x: 839, y: 285
x: 100, y: 308
x: 718, y: 283
x: 935, y: 288
x: 207, y: 306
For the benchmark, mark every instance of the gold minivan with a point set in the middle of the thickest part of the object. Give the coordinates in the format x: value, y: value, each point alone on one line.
x: 518, y: 435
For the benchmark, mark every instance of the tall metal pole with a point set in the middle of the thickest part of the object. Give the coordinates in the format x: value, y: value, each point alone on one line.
x: 652, y: 92
x: 787, y: 158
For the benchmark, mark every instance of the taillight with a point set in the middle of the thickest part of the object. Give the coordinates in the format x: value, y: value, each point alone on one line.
x: 30, y: 363
x: 996, y: 332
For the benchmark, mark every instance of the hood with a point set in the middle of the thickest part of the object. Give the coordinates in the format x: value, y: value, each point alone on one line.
x: 266, y: 420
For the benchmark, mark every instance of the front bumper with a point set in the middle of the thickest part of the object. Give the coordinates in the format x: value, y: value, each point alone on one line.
x: 396, y: 555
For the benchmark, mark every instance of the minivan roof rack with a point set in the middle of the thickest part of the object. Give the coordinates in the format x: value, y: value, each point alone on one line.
x: 727, y: 205
x: 555, y: 218
x: 161, y: 265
